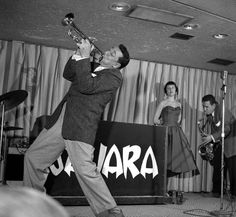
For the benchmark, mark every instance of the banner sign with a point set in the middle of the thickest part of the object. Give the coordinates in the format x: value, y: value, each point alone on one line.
x: 130, y: 157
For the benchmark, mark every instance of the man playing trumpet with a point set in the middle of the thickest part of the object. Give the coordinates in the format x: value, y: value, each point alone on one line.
x: 213, y: 114
x: 74, y: 123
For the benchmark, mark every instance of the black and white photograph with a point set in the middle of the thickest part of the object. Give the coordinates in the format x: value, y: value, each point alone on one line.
x: 118, y: 108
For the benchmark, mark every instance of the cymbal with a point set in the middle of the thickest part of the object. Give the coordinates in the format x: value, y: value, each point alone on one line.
x: 8, y: 128
x: 13, y: 98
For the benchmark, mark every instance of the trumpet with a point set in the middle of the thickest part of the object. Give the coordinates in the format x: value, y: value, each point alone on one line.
x: 76, y: 34
x: 205, y: 149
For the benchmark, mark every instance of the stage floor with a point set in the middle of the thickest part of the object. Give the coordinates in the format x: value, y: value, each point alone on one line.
x: 194, y: 204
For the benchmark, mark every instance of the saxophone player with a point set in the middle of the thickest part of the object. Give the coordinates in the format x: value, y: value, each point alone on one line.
x: 213, y: 114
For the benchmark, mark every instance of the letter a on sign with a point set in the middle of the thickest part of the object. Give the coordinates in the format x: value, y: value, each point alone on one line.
x: 118, y: 169
x: 144, y: 169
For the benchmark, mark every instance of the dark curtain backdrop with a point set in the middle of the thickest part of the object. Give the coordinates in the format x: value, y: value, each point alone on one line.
x: 38, y: 70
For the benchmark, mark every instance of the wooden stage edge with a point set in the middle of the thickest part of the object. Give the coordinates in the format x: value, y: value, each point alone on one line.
x: 121, y: 200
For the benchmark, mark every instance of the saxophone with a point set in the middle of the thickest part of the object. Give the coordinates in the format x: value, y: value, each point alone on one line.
x: 205, y: 149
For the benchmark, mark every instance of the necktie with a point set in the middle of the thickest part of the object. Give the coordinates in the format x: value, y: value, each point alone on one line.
x: 209, y: 123
x: 94, y: 65
x: 210, y: 118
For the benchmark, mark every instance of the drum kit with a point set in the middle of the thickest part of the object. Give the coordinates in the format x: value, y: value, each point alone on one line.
x: 8, y: 101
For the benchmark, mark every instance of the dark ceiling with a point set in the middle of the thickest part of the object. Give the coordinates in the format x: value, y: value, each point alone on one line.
x: 39, y: 22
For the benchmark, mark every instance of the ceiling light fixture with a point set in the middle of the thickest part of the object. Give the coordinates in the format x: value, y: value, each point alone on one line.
x: 220, y: 36
x: 120, y: 6
x: 191, y: 26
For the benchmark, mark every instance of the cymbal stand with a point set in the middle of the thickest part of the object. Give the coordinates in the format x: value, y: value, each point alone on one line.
x: 2, y: 122
x: 3, y: 149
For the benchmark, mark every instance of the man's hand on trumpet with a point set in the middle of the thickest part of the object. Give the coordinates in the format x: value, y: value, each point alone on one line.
x: 84, y: 48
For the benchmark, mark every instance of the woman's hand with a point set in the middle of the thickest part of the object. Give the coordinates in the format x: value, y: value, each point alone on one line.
x: 158, y: 122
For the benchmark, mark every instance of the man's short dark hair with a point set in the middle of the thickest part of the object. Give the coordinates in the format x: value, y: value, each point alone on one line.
x: 125, y: 59
x: 209, y: 98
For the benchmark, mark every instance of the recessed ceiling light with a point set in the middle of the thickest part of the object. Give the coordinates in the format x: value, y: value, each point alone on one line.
x: 120, y: 6
x: 191, y: 26
x: 220, y: 36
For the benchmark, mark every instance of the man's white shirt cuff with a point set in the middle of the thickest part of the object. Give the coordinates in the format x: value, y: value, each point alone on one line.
x: 213, y: 139
x: 77, y: 57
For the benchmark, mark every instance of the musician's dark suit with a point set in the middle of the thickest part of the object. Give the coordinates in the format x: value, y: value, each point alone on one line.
x: 86, y: 99
x: 73, y: 126
x: 229, y: 147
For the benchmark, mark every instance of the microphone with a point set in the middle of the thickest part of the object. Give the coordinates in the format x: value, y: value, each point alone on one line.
x: 224, y: 76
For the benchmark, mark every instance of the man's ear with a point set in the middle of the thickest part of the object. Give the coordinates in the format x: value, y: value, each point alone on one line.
x: 116, y: 65
x: 214, y: 106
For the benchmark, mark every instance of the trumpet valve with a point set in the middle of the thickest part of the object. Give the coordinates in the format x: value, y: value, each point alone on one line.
x: 74, y: 37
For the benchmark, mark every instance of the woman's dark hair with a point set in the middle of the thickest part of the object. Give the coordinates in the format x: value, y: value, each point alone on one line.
x: 125, y: 59
x: 209, y: 98
x: 171, y: 83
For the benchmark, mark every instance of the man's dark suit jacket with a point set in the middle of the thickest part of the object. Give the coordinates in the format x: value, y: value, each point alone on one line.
x: 229, y: 129
x: 85, y: 100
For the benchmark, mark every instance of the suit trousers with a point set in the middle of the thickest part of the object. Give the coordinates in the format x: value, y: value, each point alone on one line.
x: 216, y: 162
x: 231, y: 166
x: 45, y: 150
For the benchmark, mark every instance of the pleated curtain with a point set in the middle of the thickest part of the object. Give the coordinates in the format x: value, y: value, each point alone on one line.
x: 39, y: 70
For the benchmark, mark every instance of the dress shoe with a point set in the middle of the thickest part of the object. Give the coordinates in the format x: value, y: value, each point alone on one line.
x: 114, y: 212
x: 215, y: 194
x: 233, y: 198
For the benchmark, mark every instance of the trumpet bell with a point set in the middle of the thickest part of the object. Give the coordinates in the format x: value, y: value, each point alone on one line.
x: 68, y: 19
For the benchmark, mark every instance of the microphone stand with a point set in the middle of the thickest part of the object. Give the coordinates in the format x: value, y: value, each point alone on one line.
x: 222, y: 212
